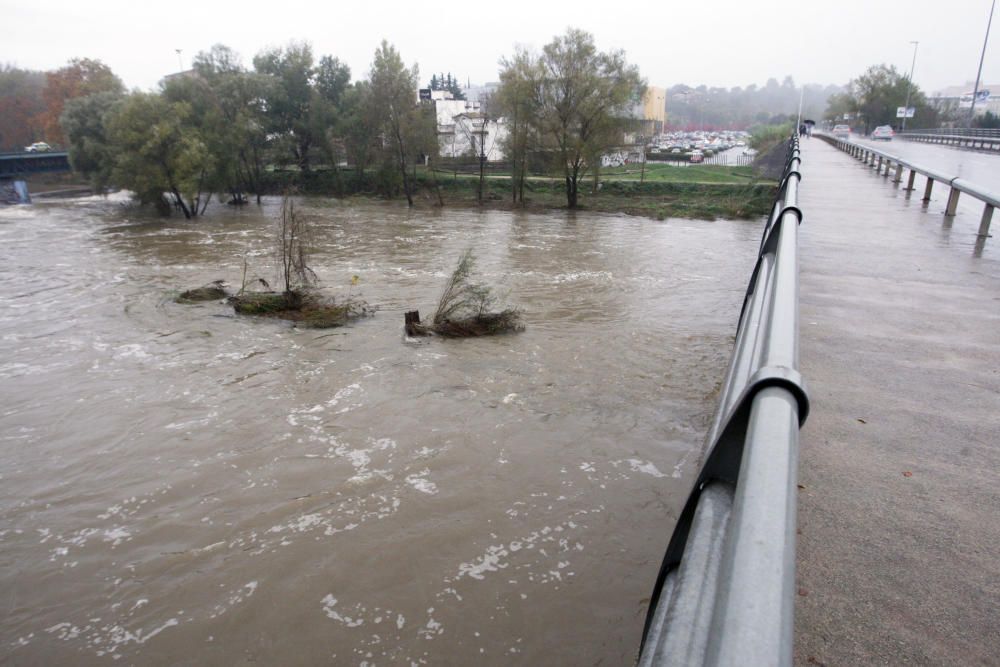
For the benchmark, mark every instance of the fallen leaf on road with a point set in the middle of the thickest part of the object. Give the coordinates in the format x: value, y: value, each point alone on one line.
x: 862, y: 420
x: 803, y: 592
x: 802, y: 486
x: 907, y: 474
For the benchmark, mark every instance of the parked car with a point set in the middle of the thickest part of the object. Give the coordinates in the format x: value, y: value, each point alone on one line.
x: 696, y: 156
x: 38, y: 147
x: 841, y: 131
x: 882, y: 133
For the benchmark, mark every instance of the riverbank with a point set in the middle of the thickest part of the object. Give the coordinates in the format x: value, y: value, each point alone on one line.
x: 699, y: 192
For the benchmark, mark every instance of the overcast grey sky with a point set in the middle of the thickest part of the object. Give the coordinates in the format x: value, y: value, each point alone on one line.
x: 711, y: 42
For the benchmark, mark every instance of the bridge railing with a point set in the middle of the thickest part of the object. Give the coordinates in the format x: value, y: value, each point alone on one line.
x: 975, y: 138
x: 724, y: 594
x: 956, y: 131
x: 883, y: 162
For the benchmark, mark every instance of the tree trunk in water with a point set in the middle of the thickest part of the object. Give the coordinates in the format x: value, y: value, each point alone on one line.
x: 513, y: 180
x: 434, y: 180
x: 303, y: 155
x: 571, y: 192
x: 411, y: 321
x: 482, y: 176
x: 406, y: 182
x: 179, y: 201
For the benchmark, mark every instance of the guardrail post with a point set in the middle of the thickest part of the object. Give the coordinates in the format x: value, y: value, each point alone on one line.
x: 952, y: 206
x: 888, y: 165
x: 984, y: 223
x: 927, y: 189
x: 909, y: 183
x: 899, y: 173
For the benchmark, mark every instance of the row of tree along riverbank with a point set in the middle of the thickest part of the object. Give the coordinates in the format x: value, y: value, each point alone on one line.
x: 704, y: 193
x: 223, y: 131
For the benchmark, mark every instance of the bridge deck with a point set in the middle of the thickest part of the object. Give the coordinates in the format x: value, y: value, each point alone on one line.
x: 900, y: 459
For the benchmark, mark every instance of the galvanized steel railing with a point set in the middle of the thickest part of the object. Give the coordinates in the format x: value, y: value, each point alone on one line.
x: 724, y: 595
x: 975, y: 138
x: 883, y: 161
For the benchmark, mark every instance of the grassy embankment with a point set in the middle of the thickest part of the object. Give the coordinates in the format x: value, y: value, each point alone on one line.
x: 696, y: 191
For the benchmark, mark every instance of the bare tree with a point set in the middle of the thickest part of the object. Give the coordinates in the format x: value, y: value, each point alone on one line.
x: 292, y: 247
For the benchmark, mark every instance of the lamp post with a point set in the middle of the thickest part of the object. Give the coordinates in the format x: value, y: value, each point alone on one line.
x: 909, y: 86
x: 979, y: 74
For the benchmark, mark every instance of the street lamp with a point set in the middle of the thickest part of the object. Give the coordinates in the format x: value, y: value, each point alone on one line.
x: 979, y: 74
x: 909, y: 86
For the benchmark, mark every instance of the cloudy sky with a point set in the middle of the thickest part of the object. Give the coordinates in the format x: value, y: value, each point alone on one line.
x: 711, y: 42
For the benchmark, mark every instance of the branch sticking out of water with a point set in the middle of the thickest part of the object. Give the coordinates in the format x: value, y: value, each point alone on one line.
x: 464, y: 309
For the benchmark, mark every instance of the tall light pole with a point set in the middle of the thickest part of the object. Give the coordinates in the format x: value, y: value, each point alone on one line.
x: 979, y: 74
x: 180, y: 62
x: 909, y: 86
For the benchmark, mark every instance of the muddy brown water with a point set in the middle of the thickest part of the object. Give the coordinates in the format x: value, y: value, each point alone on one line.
x: 179, y: 485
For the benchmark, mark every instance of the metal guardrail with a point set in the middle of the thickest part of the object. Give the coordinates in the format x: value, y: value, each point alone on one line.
x: 959, y: 131
x: 883, y: 161
x: 975, y: 138
x: 724, y: 594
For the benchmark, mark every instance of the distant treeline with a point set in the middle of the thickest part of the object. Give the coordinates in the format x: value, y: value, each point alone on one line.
x: 222, y: 128
x: 739, y: 108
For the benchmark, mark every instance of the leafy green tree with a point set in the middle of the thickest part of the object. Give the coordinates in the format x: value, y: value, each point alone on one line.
x: 359, y: 126
x: 449, y: 84
x: 877, y: 93
x: 158, y: 150
x: 583, y: 96
x: 988, y: 120
x: 393, y: 100
x: 333, y: 80
x: 235, y: 117
x: 85, y: 123
x: 287, y: 100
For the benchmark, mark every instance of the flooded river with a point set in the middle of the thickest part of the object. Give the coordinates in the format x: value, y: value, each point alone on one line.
x: 179, y: 485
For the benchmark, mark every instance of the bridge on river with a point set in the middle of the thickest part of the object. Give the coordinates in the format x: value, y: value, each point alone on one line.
x: 893, y: 319
x: 900, y: 344
x: 19, y: 165
x: 16, y: 167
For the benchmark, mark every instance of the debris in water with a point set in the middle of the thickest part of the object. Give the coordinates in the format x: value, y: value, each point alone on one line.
x: 464, y: 309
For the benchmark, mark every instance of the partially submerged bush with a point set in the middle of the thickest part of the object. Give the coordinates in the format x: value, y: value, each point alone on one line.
x: 265, y: 303
x: 306, y: 309
x: 464, y: 308
x: 211, y: 292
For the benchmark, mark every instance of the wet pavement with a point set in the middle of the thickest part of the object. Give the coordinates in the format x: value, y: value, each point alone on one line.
x: 900, y: 346
x: 979, y: 167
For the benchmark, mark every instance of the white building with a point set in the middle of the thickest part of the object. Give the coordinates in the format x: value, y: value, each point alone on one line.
x: 463, y: 131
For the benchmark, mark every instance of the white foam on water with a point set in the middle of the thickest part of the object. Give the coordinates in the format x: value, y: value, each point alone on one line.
x: 645, y: 467
x: 329, y: 602
x: 420, y: 483
x: 117, y: 535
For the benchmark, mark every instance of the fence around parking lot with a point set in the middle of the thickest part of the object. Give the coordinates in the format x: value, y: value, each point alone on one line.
x: 883, y: 161
x: 724, y: 594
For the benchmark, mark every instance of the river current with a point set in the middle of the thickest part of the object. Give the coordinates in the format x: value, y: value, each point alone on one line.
x: 180, y: 485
